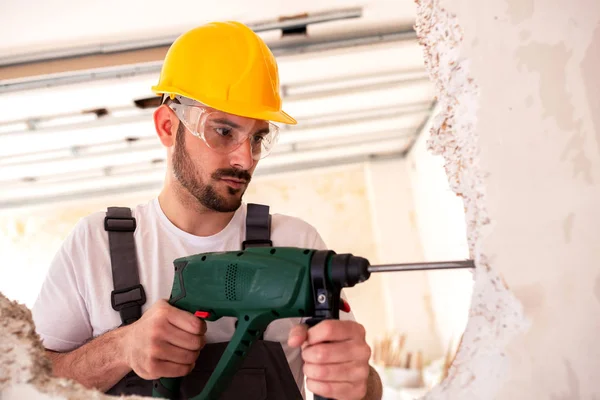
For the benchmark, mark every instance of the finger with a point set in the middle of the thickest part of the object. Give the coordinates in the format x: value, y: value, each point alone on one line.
x: 168, y: 369
x: 340, y: 372
x: 297, y: 335
x: 183, y: 339
x: 186, y: 321
x: 170, y: 353
x: 336, y: 352
x: 337, y: 390
x: 335, y: 331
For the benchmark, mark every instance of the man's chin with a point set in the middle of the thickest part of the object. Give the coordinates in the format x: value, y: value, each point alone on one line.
x: 231, y: 206
x: 231, y: 201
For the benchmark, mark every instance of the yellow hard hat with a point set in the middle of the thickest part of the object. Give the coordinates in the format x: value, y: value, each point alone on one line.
x: 226, y: 66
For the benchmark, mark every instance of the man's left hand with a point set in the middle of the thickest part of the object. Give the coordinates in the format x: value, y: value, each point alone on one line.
x: 336, y: 358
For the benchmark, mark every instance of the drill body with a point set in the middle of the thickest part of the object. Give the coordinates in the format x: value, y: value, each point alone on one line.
x: 257, y: 286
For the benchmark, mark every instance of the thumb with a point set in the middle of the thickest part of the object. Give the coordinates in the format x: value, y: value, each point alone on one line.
x: 298, y: 335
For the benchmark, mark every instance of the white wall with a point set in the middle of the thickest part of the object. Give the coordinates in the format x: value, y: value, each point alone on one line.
x: 441, y: 228
x: 364, y: 209
x: 428, y: 224
x: 407, y: 294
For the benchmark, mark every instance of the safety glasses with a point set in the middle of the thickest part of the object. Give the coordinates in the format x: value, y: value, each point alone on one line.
x: 223, y: 132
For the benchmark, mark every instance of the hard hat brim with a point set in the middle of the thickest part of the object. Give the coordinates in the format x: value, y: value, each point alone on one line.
x: 242, y: 110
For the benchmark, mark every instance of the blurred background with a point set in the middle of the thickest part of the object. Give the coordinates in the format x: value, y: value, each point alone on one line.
x: 76, y: 136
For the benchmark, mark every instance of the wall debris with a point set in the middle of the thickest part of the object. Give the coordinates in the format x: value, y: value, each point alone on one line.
x: 25, y: 372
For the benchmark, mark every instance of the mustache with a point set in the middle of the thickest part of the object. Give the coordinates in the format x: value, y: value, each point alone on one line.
x: 232, y: 173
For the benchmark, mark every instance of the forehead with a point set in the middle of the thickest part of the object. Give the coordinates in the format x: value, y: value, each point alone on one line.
x: 239, y: 120
x: 215, y: 114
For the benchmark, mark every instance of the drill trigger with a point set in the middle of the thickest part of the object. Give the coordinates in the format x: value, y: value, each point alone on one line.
x: 344, y: 306
x: 202, y: 314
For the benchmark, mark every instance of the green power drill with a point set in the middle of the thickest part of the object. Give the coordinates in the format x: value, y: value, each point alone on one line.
x: 259, y: 285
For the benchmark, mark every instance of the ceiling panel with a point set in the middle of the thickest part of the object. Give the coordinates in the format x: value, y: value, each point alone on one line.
x: 25, y: 25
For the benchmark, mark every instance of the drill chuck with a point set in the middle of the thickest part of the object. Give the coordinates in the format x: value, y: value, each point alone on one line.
x: 347, y: 270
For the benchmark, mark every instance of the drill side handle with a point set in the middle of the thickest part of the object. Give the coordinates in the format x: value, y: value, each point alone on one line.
x: 250, y: 327
x: 326, y: 297
x: 314, y: 321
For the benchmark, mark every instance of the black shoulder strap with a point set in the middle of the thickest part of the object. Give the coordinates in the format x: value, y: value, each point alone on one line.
x: 128, y: 295
x: 258, y: 226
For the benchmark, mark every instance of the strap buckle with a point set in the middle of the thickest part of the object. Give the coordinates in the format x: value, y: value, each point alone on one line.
x: 127, y: 297
x: 128, y: 302
x: 256, y: 243
x: 119, y: 224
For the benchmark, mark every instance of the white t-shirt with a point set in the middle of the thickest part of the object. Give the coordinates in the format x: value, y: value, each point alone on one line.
x: 74, y: 302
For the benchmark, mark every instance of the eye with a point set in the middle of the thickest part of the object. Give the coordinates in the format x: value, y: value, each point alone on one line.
x: 260, y: 137
x: 223, y: 131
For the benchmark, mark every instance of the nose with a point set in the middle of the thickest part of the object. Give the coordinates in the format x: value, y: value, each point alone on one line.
x: 241, y: 158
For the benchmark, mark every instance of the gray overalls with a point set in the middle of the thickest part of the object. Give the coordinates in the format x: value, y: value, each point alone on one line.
x: 264, y: 374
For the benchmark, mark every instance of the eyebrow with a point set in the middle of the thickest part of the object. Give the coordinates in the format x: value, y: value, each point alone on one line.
x: 233, y: 125
x: 225, y: 121
x: 263, y: 130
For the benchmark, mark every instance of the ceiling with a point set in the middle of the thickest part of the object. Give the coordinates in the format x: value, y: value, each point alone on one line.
x: 76, y: 104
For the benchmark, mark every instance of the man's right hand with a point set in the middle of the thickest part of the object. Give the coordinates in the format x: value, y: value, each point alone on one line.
x: 164, y: 343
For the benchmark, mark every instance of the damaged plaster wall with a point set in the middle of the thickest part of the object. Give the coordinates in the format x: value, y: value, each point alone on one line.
x: 539, y: 121
x: 495, y: 315
x: 521, y: 135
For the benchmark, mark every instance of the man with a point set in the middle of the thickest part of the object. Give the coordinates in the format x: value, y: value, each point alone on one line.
x: 220, y: 90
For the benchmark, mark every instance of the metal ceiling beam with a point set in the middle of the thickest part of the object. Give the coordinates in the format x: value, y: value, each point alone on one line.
x: 284, y: 23
x: 152, y: 186
x: 284, y: 47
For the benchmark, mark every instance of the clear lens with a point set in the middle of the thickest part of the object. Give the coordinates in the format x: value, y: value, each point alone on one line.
x: 225, y: 133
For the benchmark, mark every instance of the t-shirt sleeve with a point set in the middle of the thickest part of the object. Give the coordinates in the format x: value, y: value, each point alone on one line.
x: 318, y: 242
x: 59, y: 313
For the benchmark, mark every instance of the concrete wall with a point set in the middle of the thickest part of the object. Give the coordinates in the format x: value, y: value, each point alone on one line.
x: 536, y: 64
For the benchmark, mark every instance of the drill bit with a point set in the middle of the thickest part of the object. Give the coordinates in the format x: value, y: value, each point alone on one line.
x: 422, y: 266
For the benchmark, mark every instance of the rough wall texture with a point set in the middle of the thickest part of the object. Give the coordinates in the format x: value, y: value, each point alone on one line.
x: 25, y: 373
x: 495, y: 315
x: 539, y: 161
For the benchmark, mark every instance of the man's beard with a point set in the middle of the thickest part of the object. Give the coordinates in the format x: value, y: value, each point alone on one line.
x: 185, y: 173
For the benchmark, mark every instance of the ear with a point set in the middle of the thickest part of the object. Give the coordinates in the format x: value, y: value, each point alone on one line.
x: 166, y: 124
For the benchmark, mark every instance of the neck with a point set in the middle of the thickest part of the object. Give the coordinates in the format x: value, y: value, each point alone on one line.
x: 186, y: 213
